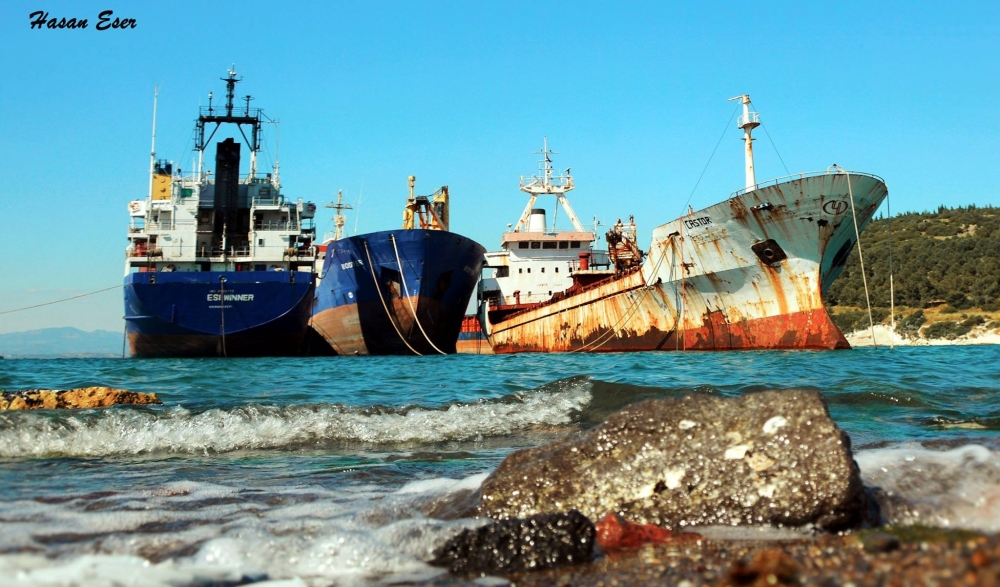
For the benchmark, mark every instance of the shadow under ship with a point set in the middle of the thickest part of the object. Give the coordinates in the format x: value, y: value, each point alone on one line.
x: 747, y: 273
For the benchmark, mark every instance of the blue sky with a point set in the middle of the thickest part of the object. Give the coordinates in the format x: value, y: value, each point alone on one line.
x: 632, y: 95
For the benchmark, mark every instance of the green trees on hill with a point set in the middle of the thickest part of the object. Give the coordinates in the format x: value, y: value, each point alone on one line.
x: 949, y: 256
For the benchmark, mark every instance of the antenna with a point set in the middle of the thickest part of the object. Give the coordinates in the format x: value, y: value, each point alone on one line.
x: 338, y: 218
x: 152, y: 149
x: 357, y: 215
x: 547, y: 184
x: 277, y: 153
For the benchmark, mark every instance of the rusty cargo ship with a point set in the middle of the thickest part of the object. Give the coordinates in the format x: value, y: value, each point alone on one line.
x: 747, y: 273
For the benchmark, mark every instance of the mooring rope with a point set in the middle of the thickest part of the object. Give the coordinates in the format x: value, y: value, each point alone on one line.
x: 406, y: 290
x: 864, y: 278
x: 607, y: 336
x: 60, y: 301
x: 371, y: 268
x: 892, y: 292
x: 222, y: 311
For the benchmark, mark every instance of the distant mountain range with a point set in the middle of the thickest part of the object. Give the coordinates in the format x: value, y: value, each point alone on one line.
x: 61, y: 342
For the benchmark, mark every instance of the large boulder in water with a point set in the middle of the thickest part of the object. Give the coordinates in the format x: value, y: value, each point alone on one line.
x: 84, y: 397
x: 768, y: 458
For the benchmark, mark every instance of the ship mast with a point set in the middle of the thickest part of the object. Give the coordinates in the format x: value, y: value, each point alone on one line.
x: 748, y: 121
x: 338, y: 218
x: 546, y: 183
x: 249, y: 117
x: 152, y: 150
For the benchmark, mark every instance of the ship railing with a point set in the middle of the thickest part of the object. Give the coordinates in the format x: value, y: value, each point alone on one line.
x: 219, y: 252
x: 170, y: 225
x: 143, y: 252
x: 276, y: 225
x: 786, y: 178
x: 268, y: 200
x: 293, y: 252
x: 238, y: 112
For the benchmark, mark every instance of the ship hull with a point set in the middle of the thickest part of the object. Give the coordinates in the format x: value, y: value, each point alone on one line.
x: 366, y: 304
x: 747, y: 273
x: 196, y: 314
x: 471, y: 340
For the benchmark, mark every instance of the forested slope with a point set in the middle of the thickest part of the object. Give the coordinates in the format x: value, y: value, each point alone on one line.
x: 949, y: 256
x: 948, y: 260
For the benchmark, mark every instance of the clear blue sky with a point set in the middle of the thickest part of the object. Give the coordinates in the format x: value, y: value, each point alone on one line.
x: 631, y: 94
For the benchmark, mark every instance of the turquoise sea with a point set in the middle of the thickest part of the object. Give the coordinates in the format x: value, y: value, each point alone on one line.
x: 334, y: 471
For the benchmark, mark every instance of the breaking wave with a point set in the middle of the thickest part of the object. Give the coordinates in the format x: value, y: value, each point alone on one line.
x: 956, y: 488
x: 269, y: 427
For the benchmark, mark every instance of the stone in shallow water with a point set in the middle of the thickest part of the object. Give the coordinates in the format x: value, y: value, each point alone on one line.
x: 85, y: 397
x: 768, y: 458
x: 509, y: 546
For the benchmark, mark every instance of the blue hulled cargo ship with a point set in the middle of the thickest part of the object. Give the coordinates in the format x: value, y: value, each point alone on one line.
x: 223, y: 263
x: 398, y: 292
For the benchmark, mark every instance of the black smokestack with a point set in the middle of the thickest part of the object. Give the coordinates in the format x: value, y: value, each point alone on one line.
x: 227, y: 185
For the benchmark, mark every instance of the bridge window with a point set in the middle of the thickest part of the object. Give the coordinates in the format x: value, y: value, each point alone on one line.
x: 522, y: 245
x: 574, y: 244
x: 536, y: 244
x: 549, y: 245
x: 563, y: 244
x: 503, y: 271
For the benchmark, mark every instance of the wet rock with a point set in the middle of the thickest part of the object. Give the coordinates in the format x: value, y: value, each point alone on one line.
x: 86, y: 397
x: 768, y: 458
x: 509, y: 546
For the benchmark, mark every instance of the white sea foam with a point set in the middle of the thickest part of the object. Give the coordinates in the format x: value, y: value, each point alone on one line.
x: 326, y: 537
x: 178, y: 430
x: 957, y: 488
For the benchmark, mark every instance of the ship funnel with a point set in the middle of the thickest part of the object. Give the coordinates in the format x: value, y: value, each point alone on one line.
x: 536, y: 222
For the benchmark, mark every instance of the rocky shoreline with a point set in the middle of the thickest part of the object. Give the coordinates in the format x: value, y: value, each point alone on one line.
x: 756, y: 490
x: 898, y: 556
x: 886, y: 336
x: 903, y: 557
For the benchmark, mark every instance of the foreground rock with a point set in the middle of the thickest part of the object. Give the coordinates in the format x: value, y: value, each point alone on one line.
x: 950, y: 558
x: 769, y: 458
x: 86, y: 397
x: 510, y: 546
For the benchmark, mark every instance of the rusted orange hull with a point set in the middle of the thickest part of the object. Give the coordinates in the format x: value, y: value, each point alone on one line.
x: 471, y: 340
x: 349, y: 334
x: 747, y: 273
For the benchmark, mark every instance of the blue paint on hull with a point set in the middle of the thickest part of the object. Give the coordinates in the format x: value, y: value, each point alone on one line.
x: 197, y: 314
x: 361, y: 297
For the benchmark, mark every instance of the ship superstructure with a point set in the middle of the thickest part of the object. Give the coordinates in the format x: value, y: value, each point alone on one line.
x: 219, y: 262
x: 538, y: 260
x: 746, y: 273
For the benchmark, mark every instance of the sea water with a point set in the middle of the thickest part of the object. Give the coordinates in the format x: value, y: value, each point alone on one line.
x: 352, y: 470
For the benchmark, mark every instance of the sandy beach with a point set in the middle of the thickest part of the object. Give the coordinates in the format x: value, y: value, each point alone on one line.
x: 885, y: 336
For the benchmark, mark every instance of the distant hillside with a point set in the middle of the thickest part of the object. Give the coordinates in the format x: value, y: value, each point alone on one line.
x: 61, y: 342
x: 951, y: 256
